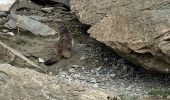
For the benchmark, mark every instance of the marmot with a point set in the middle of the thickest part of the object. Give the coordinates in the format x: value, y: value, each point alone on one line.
x: 62, y: 47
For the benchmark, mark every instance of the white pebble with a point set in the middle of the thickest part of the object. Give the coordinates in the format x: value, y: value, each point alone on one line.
x: 40, y: 60
x: 11, y: 33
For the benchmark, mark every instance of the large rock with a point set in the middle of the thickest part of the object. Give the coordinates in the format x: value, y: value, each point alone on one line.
x: 25, y: 84
x: 138, y: 30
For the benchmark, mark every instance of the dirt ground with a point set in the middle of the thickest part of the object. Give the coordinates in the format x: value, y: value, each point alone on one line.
x: 92, y: 63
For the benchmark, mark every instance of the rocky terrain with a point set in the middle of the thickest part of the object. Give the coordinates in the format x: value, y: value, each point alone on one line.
x: 95, y: 66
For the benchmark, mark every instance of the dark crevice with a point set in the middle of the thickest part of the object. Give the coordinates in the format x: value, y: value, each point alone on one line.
x: 43, y: 2
x: 168, y: 40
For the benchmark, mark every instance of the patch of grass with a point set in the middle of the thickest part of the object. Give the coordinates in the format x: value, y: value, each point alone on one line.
x: 160, y: 92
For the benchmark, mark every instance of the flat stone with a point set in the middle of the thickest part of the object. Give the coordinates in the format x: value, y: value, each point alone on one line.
x: 84, y: 58
x: 40, y: 60
x: 5, y: 30
x: 11, y: 33
x: 71, y: 70
x: 5, y: 5
x: 48, y: 9
x: 75, y: 66
x: 28, y: 24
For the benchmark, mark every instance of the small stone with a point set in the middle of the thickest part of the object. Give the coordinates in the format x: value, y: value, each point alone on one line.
x: 112, y: 75
x: 95, y: 85
x: 99, y: 68
x: 82, y: 78
x: 11, y: 33
x: 167, y: 70
x: 93, y: 80
x: 71, y: 70
x: 50, y: 73
x: 83, y: 68
x: 84, y: 58
x: 62, y: 74
x: 125, y: 67
x: 76, y: 75
x: 75, y: 66
x: 48, y: 9
x: 40, y: 60
x: 96, y: 61
x: 92, y: 71
x: 105, y: 59
x: 5, y: 30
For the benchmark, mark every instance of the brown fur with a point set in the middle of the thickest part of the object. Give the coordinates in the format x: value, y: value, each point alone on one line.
x: 62, y: 48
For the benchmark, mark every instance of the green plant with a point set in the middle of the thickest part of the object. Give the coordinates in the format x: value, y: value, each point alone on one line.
x: 160, y: 92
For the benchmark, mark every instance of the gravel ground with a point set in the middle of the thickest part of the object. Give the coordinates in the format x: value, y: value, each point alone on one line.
x: 92, y: 63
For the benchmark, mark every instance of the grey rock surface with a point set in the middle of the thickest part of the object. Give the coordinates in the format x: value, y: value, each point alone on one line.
x: 138, y: 30
x: 26, y: 84
x: 29, y: 24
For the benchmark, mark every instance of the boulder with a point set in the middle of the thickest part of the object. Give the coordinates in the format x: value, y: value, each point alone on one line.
x: 138, y: 30
x: 26, y: 84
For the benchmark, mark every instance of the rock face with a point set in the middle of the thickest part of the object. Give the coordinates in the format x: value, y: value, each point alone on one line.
x: 138, y: 30
x: 25, y: 84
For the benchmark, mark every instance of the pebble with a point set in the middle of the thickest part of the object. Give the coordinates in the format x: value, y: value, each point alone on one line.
x: 82, y: 78
x: 125, y: 67
x: 71, y: 70
x: 62, y: 74
x: 40, y: 60
x: 99, y: 68
x: 82, y: 68
x: 105, y: 59
x: 112, y: 75
x: 5, y: 30
x: 96, y: 85
x: 84, y: 58
x: 50, y: 73
x: 48, y: 9
x: 76, y: 75
x: 75, y: 66
x: 93, y: 80
x: 11, y: 33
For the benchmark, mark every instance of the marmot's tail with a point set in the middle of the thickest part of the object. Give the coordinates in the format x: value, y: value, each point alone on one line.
x: 52, y: 60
